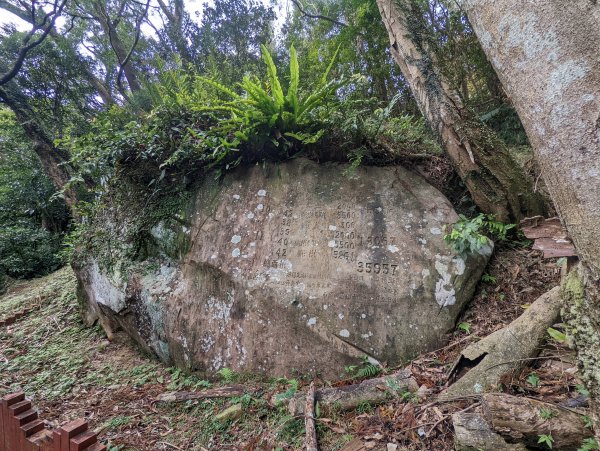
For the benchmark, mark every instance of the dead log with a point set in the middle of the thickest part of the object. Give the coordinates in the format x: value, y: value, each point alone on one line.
x: 310, y: 440
x: 523, y: 420
x: 481, y: 365
x: 218, y: 392
x: 472, y: 433
x: 373, y: 391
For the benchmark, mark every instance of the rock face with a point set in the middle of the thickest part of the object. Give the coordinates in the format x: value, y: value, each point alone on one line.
x: 290, y: 267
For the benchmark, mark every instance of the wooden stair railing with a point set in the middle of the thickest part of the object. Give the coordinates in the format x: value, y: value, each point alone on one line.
x: 22, y: 430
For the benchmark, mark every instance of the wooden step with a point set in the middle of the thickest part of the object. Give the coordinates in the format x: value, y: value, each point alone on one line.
x: 83, y: 441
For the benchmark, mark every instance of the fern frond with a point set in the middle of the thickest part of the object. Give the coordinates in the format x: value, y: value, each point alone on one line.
x: 227, y: 374
x: 218, y: 86
x: 276, y: 90
x: 292, y: 94
x: 368, y: 370
x: 326, y: 73
x: 319, y: 95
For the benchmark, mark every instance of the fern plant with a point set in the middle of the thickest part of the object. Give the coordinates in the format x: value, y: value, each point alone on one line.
x: 227, y: 374
x: 263, y: 112
x: 366, y: 369
x: 291, y: 391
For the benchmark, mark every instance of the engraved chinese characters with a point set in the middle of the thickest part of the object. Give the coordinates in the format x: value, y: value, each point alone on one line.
x: 296, y: 267
x: 327, y: 268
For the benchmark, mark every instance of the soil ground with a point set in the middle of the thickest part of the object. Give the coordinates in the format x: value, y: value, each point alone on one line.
x: 70, y: 371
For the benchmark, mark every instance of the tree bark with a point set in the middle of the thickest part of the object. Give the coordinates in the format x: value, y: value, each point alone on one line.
x: 523, y: 420
x: 516, y: 423
x: 547, y: 56
x: 175, y: 13
x: 482, y: 364
x: 55, y: 161
x: 118, y: 46
x: 373, y: 391
x: 496, y: 183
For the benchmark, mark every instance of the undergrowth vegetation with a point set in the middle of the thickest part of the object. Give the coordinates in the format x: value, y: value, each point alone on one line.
x: 31, y: 218
x: 469, y: 235
x: 198, y: 124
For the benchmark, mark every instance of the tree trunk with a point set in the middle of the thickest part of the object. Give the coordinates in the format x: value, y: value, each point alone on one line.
x: 547, y: 56
x: 496, y: 183
x: 175, y: 13
x: 118, y: 47
x: 55, y: 161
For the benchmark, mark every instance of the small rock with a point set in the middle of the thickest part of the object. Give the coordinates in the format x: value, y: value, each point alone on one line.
x: 231, y: 413
x: 392, y: 447
x: 423, y: 391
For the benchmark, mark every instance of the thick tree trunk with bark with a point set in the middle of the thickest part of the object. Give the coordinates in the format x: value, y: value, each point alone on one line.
x: 118, y: 46
x: 547, y: 55
x: 496, y: 183
x: 55, y: 161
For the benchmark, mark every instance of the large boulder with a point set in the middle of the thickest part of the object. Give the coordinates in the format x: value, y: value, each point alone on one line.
x: 281, y: 268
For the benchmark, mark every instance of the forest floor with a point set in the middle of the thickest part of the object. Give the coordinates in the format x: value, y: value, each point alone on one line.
x: 70, y: 371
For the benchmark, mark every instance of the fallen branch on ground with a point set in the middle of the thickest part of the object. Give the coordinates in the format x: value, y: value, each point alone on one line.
x: 510, y: 419
x: 372, y: 391
x: 219, y: 392
x: 310, y: 440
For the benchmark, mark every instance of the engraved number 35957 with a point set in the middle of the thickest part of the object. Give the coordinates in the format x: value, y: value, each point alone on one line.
x: 377, y: 268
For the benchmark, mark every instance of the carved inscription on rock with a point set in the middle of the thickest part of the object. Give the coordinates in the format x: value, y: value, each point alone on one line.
x: 354, y: 266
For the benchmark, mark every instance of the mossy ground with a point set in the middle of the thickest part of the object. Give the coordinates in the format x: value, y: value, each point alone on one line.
x: 71, y: 371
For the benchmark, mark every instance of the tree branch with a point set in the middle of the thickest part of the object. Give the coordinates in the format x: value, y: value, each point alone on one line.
x: 138, y: 29
x: 27, y: 45
x: 317, y: 16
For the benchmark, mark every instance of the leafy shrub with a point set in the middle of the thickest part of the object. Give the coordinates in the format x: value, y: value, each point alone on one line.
x: 31, y: 220
x: 2, y: 281
x: 199, y: 123
x: 470, y: 235
x: 26, y: 251
x: 372, y: 133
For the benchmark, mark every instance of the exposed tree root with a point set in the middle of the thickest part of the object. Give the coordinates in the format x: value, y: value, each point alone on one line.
x: 482, y: 365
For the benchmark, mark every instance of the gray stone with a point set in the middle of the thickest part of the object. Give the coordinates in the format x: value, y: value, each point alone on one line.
x: 292, y: 267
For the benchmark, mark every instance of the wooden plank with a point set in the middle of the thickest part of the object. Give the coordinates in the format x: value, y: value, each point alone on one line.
x: 70, y: 430
x: 552, y: 247
x: 33, y: 427
x: 43, y: 440
x: 2, y: 420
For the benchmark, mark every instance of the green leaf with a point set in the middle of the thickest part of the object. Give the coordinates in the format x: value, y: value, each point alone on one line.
x: 276, y: 90
x: 589, y: 444
x: 533, y: 379
x: 224, y: 89
x: 292, y: 94
x: 557, y: 335
x: 546, y: 439
x: 326, y: 73
x: 465, y: 327
x: 582, y: 390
